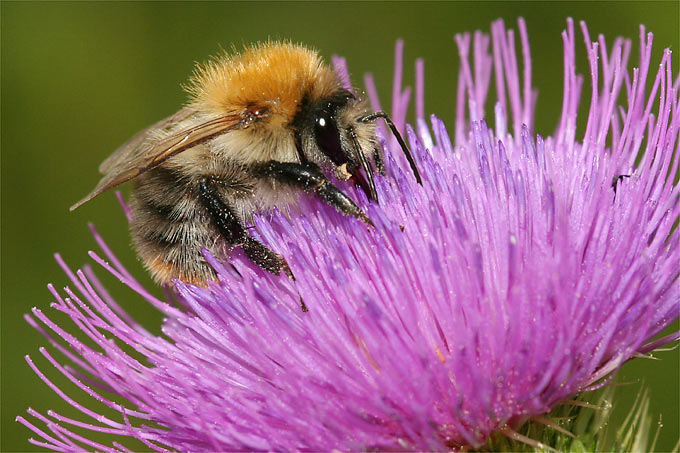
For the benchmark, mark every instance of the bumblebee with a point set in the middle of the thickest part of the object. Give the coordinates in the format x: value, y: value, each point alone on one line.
x: 260, y: 126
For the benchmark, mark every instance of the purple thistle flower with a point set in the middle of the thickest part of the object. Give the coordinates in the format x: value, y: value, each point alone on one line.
x: 513, y: 279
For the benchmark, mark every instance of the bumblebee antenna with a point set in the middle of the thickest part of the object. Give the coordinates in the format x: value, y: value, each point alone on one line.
x: 364, y: 165
x: 397, y: 135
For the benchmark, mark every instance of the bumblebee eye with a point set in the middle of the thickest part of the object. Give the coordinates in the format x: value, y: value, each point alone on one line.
x: 327, y: 135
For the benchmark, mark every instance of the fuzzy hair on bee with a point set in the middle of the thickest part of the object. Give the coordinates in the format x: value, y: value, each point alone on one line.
x: 260, y: 127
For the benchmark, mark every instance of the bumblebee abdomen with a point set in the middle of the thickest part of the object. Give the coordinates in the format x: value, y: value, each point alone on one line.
x: 170, y: 227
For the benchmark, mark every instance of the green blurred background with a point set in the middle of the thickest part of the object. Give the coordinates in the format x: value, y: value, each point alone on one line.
x: 80, y: 78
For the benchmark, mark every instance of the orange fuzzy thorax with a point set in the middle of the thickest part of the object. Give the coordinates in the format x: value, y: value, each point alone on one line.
x: 275, y: 75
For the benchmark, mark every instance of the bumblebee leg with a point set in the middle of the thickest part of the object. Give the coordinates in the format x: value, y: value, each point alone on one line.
x: 233, y: 231
x: 379, y: 160
x: 617, y: 180
x: 309, y: 177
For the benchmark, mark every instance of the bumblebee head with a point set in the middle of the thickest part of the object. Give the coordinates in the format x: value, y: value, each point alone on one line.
x: 332, y: 132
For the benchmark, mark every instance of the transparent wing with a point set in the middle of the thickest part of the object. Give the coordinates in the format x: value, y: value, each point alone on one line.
x: 134, y: 145
x: 135, y: 157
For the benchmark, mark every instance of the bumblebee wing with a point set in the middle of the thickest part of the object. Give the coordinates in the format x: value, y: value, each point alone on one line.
x: 137, y: 160
x: 135, y: 144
